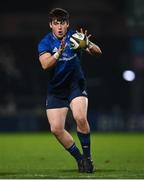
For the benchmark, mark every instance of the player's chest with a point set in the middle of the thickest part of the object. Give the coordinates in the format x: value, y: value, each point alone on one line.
x: 68, y: 51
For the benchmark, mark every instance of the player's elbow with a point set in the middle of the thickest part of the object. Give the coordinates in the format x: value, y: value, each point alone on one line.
x: 43, y: 64
x: 44, y: 67
x: 99, y: 51
x: 96, y: 50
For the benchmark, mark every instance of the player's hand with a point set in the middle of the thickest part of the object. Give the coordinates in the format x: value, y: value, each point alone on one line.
x: 85, y: 32
x: 84, y: 43
x: 62, y: 46
x: 80, y: 39
x: 60, y: 50
x: 96, y: 50
x: 86, y: 36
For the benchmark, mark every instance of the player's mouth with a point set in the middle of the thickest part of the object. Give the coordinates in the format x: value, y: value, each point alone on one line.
x: 60, y: 33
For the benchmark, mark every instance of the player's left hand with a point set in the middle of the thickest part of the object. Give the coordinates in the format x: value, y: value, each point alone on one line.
x: 80, y: 40
x: 85, y: 32
x: 86, y: 37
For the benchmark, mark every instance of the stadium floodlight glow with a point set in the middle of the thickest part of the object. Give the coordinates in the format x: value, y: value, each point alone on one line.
x: 129, y: 75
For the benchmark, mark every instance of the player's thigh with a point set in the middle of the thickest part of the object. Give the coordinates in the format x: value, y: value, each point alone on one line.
x: 56, y: 117
x: 79, y: 107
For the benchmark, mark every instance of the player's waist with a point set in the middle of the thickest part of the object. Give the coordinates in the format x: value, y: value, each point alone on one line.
x: 64, y: 88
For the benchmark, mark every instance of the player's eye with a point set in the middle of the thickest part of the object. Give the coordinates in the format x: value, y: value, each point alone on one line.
x: 55, y: 23
x: 63, y: 22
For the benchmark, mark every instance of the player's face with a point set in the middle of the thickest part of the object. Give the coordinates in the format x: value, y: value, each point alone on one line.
x: 59, y: 28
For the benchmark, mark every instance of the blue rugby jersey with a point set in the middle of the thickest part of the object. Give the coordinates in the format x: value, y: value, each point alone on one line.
x: 67, y: 70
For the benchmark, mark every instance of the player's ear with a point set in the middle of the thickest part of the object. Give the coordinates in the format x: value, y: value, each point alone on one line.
x: 50, y: 25
x: 67, y: 24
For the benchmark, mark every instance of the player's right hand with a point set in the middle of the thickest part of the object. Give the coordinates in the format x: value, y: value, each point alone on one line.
x: 60, y: 50
x: 62, y: 46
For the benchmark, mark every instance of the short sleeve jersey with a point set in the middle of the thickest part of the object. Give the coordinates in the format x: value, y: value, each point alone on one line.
x: 67, y: 70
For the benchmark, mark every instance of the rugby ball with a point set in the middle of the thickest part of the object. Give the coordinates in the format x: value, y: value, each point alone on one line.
x: 78, y: 40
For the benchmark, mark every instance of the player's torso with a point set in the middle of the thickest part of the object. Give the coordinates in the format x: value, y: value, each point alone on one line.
x: 68, y: 68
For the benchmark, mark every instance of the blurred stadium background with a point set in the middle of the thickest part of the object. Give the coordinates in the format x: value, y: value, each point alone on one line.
x: 115, y: 80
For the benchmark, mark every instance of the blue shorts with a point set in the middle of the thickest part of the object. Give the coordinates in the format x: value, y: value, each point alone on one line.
x: 56, y: 101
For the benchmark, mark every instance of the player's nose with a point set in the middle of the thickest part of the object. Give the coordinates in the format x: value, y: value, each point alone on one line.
x: 59, y: 26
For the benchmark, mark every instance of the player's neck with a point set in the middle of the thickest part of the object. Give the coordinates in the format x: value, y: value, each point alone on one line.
x: 59, y: 38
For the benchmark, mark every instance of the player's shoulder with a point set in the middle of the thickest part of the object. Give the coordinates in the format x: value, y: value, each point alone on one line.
x: 44, y: 45
x: 45, y: 39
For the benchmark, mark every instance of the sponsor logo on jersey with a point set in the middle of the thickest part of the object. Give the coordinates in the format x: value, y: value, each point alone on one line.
x: 63, y: 58
x: 55, y: 49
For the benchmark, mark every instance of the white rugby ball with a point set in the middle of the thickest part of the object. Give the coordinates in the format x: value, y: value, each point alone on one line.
x: 78, y: 40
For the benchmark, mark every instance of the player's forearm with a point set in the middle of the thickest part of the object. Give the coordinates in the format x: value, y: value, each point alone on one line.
x: 94, y: 49
x: 48, y: 61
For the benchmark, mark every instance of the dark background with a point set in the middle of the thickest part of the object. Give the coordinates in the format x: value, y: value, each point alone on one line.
x: 116, y: 26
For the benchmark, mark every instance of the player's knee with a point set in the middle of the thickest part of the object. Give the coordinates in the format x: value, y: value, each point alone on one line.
x: 79, y: 118
x: 56, y: 130
x: 81, y: 121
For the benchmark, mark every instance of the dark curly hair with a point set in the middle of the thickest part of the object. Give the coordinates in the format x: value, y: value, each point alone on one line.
x: 58, y: 14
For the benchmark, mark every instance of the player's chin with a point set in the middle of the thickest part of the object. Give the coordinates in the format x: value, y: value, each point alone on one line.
x: 60, y: 36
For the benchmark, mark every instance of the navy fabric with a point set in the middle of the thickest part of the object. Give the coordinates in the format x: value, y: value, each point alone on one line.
x: 67, y: 68
x: 74, y: 151
x: 85, y: 143
x: 64, y: 99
